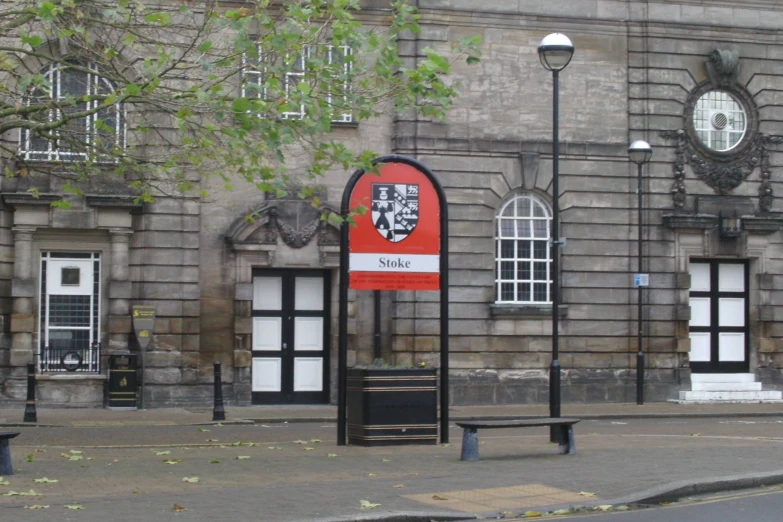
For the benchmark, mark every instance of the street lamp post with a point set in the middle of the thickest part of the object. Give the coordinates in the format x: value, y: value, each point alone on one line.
x: 640, y: 153
x: 555, y: 52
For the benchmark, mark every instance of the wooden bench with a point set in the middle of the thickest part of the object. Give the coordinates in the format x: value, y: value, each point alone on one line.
x: 6, y: 466
x: 470, y: 445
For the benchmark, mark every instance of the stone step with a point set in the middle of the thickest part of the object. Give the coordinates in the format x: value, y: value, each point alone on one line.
x: 751, y: 396
x: 726, y: 386
x: 723, y: 377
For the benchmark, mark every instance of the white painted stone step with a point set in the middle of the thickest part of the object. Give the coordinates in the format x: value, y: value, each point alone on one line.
x: 730, y: 396
x: 722, y: 377
x: 726, y: 386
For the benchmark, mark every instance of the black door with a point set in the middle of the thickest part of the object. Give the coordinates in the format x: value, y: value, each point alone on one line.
x: 290, y: 337
x: 719, y: 316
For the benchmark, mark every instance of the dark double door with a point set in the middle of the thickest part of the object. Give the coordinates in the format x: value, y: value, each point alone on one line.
x: 719, y: 316
x: 290, y: 337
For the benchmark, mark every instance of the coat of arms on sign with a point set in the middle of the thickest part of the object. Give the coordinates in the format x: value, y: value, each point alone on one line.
x: 395, y: 209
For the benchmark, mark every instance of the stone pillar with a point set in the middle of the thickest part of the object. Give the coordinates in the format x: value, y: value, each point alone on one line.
x: 23, y: 293
x: 119, y: 320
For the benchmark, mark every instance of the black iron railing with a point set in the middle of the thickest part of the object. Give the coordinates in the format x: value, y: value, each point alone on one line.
x: 70, y: 359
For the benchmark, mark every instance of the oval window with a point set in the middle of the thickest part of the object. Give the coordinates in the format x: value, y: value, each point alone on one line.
x: 720, y: 121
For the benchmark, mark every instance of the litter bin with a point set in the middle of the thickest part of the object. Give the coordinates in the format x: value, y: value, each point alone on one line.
x: 122, y: 381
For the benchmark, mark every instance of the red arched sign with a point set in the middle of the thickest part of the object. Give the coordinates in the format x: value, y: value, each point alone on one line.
x: 395, y: 243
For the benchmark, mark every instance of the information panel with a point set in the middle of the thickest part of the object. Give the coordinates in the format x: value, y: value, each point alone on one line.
x: 395, y: 244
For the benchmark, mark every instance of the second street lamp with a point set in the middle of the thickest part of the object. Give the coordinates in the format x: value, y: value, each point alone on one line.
x: 640, y: 153
x: 555, y: 52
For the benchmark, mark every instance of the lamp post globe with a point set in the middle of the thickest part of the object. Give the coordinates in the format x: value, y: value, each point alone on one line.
x: 555, y: 51
x: 640, y: 152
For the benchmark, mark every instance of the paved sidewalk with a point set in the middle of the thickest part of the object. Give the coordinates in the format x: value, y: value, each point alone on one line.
x: 293, y: 471
x: 82, y: 417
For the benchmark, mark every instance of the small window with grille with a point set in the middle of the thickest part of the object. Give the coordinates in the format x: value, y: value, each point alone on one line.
x: 523, y: 256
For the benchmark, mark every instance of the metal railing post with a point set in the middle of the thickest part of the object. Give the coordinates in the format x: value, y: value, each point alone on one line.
x: 30, y: 415
x: 218, y: 413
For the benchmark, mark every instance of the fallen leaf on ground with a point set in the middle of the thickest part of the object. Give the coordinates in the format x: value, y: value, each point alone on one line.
x: 212, y: 440
x: 75, y: 457
x: 532, y: 514
x: 172, y: 461
x: 309, y: 449
x: 398, y: 486
x: 218, y: 424
x: 136, y: 492
x: 4, y: 482
x: 73, y: 506
x: 30, y: 493
x: 167, y: 452
x: 178, y: 508
x: 560, y: 512
x: 695, y: 434
x: 214, y: 461
x: 385, y: 460
x: 331, y: 454
x: 45, y: 480
x: 36, y: 506
x: 586, y: 494
x: 604, y: 507
x: 438, y: 497
x: 366, y: 504
x: 621, y: 508
x: 202, y: 430
x: 243, y: 457
x: 192, y: 480
x: 40, y: 451
x: 76, y: 452
x: 116, y: 460
x: 372, y: 474
x: 274, y: 447
x: 29, y: 458
x: 300, y: 442
x: 316, y: 440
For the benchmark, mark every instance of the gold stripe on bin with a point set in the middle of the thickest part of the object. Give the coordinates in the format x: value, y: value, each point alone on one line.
x: 392, y: 437
x: 401, y: 388
x: 392, y: 426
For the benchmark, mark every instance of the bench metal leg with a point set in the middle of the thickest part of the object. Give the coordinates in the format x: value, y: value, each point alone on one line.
x: 470, y: 445
x: 6, y: 466
x: 567, y: 445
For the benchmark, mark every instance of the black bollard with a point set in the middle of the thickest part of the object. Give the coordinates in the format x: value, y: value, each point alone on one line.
x: 218, y: 413
x: 30, y: 415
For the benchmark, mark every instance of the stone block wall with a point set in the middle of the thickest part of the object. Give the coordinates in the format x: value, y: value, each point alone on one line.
x: 164, y: 271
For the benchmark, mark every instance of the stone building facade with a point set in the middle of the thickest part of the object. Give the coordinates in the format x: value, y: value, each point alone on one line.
x: 699, y: 81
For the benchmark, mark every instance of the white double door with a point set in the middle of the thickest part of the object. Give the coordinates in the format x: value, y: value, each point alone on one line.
x: 719, y: 316
x: 290, y: 337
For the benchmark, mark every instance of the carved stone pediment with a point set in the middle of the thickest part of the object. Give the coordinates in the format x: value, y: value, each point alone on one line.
x: 292, y: 220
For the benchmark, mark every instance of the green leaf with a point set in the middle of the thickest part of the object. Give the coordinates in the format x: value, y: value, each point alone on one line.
x: 192, y: 480
x: 214, y: 461
x: 45, y: 480
x: 172, y: 461
x: 73, y: 506
x: 158, y: 18
x: 242, y: 457
x: 366, y: 504
x: 202, y: 430
x: 167, y: 452
x: 33, y: 40
x: 29, y: 458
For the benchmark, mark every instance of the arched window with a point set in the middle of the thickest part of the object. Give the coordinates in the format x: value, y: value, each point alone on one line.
x: 523, y: 259
x: 71, y: 89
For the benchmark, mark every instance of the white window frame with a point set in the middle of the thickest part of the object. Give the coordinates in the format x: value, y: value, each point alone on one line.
x: 707, y: 106
x: 523, y: 256
x: 293, y: 73
x: 54, y: 74
x: 92, y: 363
